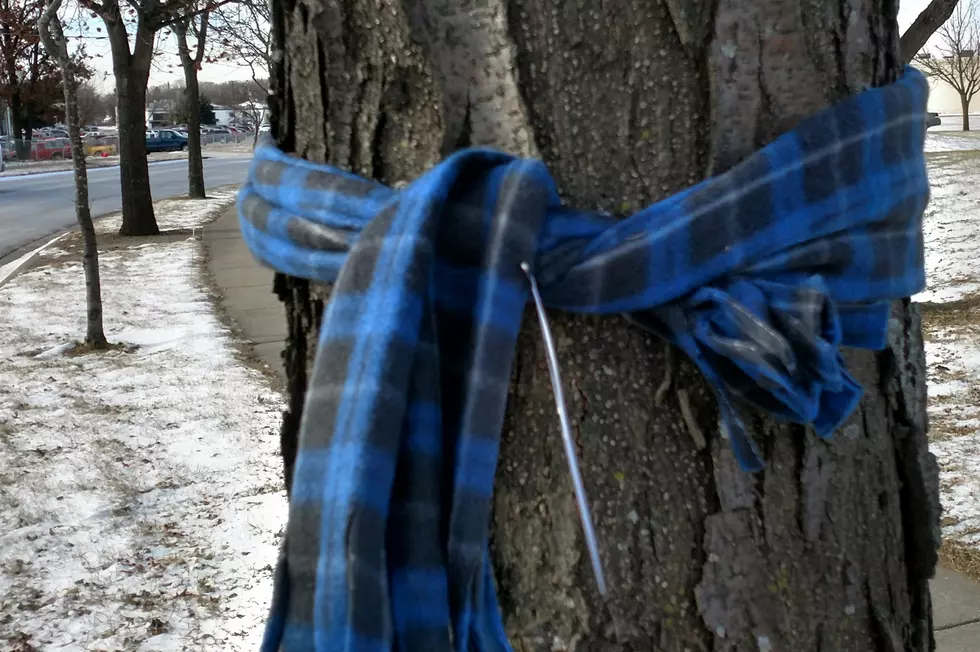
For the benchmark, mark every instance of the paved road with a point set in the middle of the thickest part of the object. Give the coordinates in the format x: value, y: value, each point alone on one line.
x: 36, y: 205
x: 954, y: 122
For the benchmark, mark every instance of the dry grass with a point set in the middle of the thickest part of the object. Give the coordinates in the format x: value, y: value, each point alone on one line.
x: 960, y: 557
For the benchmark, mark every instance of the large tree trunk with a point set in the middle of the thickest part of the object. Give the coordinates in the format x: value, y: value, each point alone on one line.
x: 132, y: 72
x: 831, y: 547
x: 53, y: 37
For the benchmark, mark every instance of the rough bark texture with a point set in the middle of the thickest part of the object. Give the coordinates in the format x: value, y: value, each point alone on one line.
x: 190, y: 62
x: 965, y: 109
x: 132, y: 72
x: 831, y: 547
x: 53, y: 37
x: 925, y: 25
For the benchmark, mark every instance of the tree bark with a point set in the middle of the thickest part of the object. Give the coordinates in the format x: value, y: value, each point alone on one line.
x: 132, y: 73
x: 192, y: 95
x: 925, y: 25
x: 832, y: 545
x: 53, y: 37
x: 965, y: 108
x: 22, y: 134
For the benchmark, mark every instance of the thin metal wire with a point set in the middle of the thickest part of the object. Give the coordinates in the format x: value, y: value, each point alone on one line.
x: 566, y: 434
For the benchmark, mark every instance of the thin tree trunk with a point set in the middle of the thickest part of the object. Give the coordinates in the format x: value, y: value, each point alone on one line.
x: 195, y: 160
x: 132, y: 73
x: 192, y: 95
x: 21, y: 135
x: 53, y: 38
x: 965, y: 107
x: 832, y: 546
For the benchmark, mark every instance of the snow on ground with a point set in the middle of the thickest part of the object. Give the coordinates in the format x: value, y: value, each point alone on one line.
x: 951, y: 141
x: 951, y: 329
x: 140, y: 501
x: 951, y: 224
x: 178, y: 214
x: 953, y: 353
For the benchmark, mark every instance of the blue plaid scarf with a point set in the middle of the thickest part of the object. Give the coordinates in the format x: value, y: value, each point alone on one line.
x: 760, y: 275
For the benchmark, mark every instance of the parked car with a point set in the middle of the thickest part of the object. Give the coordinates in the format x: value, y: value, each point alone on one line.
x: 933, y: 120
x: 50, y: 132
x: 102, y: 149
x: 165, y: 140
x: 51, y: 149
x: 217, y: 135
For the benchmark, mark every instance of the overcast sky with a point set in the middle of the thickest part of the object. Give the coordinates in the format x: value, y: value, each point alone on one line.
x: 166, y: 67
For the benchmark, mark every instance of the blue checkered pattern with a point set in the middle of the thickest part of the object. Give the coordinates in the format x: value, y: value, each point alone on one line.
x: 760, y: 275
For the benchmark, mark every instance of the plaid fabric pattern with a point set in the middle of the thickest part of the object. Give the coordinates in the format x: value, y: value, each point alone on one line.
x: 760, y: 274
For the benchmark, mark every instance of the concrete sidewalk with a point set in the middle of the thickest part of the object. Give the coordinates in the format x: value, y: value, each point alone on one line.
x: 248, y: 299
x: 246, y: 290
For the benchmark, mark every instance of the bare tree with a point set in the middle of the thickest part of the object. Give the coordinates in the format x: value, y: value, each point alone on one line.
x: 191, y: 59
x: 252, y: 112
x: 89, y: 104
x: 243, y: 30
x: 53, y: 37
x: 29, y: 80
x: 136, y: 22
x: 956, y: 60
x: 925, y: 25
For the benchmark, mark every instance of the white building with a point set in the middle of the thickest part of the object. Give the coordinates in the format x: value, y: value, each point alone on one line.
x: 223, y: 115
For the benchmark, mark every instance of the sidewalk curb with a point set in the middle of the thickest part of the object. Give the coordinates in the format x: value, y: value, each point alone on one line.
x: 114, y: 166
x: 10, y: 270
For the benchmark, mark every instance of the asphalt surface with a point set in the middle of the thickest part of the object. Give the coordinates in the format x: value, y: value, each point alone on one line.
x: 36, y: 205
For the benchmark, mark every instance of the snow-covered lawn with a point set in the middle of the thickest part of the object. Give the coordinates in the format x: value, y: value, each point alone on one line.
x: 140, y: 501
x: 951, y: 325
x: 952, y: 141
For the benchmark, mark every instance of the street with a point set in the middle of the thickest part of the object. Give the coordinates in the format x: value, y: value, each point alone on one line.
x: 36, y: 205
x: 954, y: 122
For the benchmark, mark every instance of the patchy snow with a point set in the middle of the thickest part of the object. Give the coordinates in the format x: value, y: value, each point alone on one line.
x: 954, y: 414
x: 951, y: 330
x: 140, y: 501
x: 950, y: 225
x: 951, y: 141
x: 178, y: 214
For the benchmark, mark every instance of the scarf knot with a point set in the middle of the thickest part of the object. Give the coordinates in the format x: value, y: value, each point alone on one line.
x: 760, y: 275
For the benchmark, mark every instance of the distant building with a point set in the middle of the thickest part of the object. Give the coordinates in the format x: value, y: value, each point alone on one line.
x: 248, y: 112
x: 157, y: 115
x: 223, y: 115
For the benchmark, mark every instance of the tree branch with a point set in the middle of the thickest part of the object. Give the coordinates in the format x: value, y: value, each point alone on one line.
x: 926, y: 23
x: 202, y: 35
